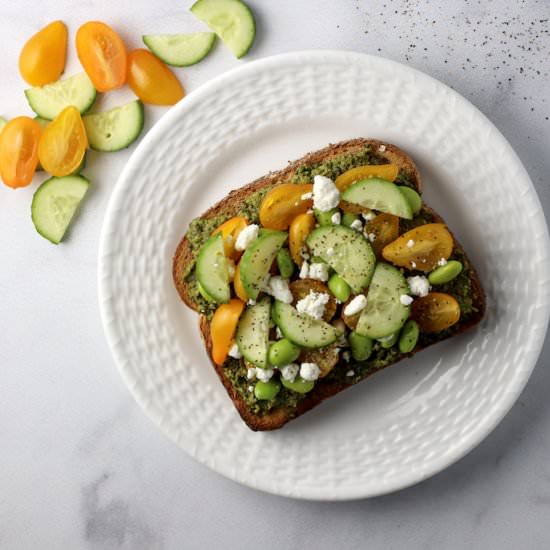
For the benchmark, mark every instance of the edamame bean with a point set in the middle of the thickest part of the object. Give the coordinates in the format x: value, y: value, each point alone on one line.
x: 266, y: 390
x: 299, y: 385
x: 348, y: 218
x: 361, y: 346
x: 413, y: 198
x: 325, y: 218
x: 283, y: 353
x: 285, y: 263
x: 445, y: 273
x: 389, y: 341
x: 409, y: 336
x: 339, y: 288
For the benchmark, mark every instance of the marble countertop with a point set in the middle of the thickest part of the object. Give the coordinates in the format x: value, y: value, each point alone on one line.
x: 81, y: 466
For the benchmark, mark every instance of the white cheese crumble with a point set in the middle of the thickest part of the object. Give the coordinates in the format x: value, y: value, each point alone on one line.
x: 251, y: 373
x: 307, y: 196
x: 309, y: 371
x: 357, y: 225
x: 313, y: 304
x: 304, y: 253
x: 264, y: 374
x: 418, y: 285
x: 413, y: 265
x: 304, y: 270
x: 326, y: 195
x: 290, y: 372
x: 410, y: 243
x: 330, y: 251
x: 356, y: 305
x: 278, y: 288
x: 336, y: 218
x: 346, y: 356
x: 250, y: 389
x: 371, y: 237
x: 405, y: 299
x: 442, y: 262
x: 318, y: 271
x: 246, y: 236
x: 350, y: 373
x: 382, y: 148
x: 230, y: 269
x: 368, y: 216
x: 234, y: 351
x: 278, y: 333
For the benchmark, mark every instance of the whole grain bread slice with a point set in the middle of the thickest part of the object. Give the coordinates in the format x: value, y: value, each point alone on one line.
x: 230, y: 206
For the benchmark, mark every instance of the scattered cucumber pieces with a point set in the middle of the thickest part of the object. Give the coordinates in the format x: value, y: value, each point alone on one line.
x: 231, y: 20
x: 211, y: 270
x: 49, y: 100
x: 115, y: 129
x: 55, y: 203
x: 415, y: 200
x: 253, y: 333
x: 180, y: 50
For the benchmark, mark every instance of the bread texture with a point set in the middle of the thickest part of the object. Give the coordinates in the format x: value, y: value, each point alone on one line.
x: 185, y: 257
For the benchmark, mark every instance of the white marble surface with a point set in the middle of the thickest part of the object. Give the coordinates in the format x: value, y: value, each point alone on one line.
x: 80, y: 464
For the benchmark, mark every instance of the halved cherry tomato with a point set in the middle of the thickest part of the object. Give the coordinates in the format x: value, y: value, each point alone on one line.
x: 420, y: 248
x: 385, y: 171
x: 283, y: 203
x: 151, y: 80
x: 42, y: 59
x: 63, y: 143
x: 435, y: 312
x: 230, y: 231
x: 385, y: 228
x: 238, y: 284
x: 102, y: 54
x: 19, y: 151
x: 223, y: 327
x: 301, y: 226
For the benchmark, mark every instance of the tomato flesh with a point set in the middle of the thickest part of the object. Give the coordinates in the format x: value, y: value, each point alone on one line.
x: 435, y: 312
x: 223, y: 327
x: 384, y: 229
x: 301, y: 226
x: 283, y: 203
x: 230, y: 231
x: 385, y: 171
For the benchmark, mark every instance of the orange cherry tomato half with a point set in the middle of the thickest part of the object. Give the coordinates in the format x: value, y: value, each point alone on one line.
x: 230, y: 231
x: 435, y: 312
x: 238, y: 284
x: 384, y: 228
x: 42, y: 59
x: 102, y: 54
x: 301, y: 226
x: 283, y: 203
x: 223, y: 327
x: 19, y: 151
x: 63, y: 143
x: 385, y: 171
x: 151, y: 80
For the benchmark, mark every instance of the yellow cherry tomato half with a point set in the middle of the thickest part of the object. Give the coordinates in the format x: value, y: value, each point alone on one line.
x: 435, y: 312
x: 42, y: 59
x: 301, y: 226
x: 230, y: 231
x: 102, y: 54
x: 151, y: 80
x: 19, y: 151
x: 223, y: 327
x: 63, y: 143
x: 385, y: 171
x: 381, y: 231
x: 283, y: 203
x: 420, y: 248
x: 238, y: 284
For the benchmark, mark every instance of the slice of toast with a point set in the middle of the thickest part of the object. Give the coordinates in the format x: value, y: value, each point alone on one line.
x: 330, y: 161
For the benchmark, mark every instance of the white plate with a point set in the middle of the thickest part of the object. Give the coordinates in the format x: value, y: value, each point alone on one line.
x: 411, y: 420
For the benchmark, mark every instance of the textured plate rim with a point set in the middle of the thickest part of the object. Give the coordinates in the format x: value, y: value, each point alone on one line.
x: 492, y: 417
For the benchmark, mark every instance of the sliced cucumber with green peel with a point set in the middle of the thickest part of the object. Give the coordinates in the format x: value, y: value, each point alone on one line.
x: 231, y: 20
x: 211, y: 270
x: 351, y: 256
x: 415, y: 200
x: 253, y: 333
x: 384, y: 313
x: 381, y: 195
x: 257, y: 259
x: 55, y: 203
x: 115, y: 129
x: 49, y: 100
x: 302, y: 329
x: 180, y: 50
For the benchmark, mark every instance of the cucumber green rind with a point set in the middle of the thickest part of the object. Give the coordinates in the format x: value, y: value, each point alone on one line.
x: 231, y: 20
x: 301, y: 329
x: 353, y: 258
x: 115, y: 129
x: 252, y: 335
x: 180, y: 50
x: 211, y: 270
x: 49, y: 100
x: 55, y: 203
x: 379, y: 194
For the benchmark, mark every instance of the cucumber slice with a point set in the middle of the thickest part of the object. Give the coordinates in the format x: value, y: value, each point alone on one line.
x: 211, y: 270
x: 303, y: 330
x: 415, y: 200
x: 253, y: 333
x: 231, y: 20
x: 384, y: 314
x: 49, y: 100
x: 257, y: 259
x: 381, y: 195
x: 352, y: 255
x: 54, y: 204
x: 115, y: 129
x: 180, y: 50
